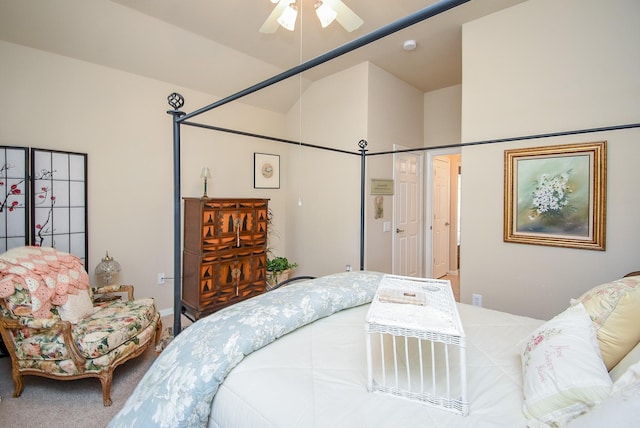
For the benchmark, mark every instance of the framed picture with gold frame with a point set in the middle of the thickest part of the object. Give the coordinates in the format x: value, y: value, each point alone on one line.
x: 556, y: 195
x: 266, y: 171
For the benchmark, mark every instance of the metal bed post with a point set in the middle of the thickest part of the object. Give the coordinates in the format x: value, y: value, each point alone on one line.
x: 363, y: 156
x: 176, y: 101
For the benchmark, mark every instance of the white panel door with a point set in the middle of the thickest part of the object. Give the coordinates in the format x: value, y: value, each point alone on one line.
x: 407, y: 242
x: 441, y: 220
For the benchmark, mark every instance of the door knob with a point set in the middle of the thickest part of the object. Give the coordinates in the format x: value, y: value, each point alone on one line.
x: 399, y: 230
x: 446, y: 224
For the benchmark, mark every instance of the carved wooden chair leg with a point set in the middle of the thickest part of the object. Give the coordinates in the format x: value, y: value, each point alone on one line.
x: 158, y: 331
x: 17, y: 381
x: 105, y: 379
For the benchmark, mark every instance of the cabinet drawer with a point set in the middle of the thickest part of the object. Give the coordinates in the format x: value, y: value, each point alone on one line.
x: 227, y: 229
x: 231, y: 275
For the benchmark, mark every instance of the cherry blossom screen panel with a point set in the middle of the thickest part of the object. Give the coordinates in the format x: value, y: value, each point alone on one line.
x: 14, y: 188
x: 59, y: 201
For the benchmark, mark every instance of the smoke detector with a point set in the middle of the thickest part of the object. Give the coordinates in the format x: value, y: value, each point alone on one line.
x: 409, y: 45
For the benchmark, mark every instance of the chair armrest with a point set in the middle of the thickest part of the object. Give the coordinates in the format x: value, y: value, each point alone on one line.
x: 117, y: 288
x: 76, y: 355
x: 54, y: 325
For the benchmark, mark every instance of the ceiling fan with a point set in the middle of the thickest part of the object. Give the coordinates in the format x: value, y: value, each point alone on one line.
x: 286, y: 12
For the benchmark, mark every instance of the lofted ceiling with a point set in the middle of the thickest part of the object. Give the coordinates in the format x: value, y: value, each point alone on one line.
x: 214, y: 46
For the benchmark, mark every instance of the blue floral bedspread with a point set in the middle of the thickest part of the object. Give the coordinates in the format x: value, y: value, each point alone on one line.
x: 178, y: 389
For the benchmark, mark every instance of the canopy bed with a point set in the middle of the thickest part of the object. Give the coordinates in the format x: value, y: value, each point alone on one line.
x: 176, y: 101
x: 220, y: 372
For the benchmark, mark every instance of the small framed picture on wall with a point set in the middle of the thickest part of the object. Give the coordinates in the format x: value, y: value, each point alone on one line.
x: 266, y: 171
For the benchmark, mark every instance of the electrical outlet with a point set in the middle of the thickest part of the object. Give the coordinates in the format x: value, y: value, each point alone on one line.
x: 161, y: 278
x: 476, y: 299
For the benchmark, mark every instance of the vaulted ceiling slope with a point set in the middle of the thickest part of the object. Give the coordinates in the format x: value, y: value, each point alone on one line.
x: 214, y: 46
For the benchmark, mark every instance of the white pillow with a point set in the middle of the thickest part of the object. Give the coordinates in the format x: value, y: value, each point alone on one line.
x: 563, y: 371
x: 77, y: 307
x: 621, y: 409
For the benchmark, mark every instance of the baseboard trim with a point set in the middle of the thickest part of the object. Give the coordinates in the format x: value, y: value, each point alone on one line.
x: 166, y: 312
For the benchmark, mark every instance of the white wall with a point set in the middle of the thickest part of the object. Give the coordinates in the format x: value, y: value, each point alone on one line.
x: 120, y: 121
x: 539, y: 67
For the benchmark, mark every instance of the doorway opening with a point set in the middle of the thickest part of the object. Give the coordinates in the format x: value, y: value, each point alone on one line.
x: 442, y: 225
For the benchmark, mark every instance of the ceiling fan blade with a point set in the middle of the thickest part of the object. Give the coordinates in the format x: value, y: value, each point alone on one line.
x: 271, y: 24
x: 346, y: 17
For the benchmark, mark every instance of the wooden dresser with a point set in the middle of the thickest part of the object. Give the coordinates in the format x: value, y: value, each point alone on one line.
x: 224, y: 257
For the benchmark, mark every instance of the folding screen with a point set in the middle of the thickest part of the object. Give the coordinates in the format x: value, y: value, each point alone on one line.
x: 44, y: 199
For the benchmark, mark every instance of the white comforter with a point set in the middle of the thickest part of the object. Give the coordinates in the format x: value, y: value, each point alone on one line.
x: 178, y: 389
x: 316, y: 377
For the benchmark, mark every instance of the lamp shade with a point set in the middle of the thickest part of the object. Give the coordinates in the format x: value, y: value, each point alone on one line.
x: 288, y: 17
x: 325, y: 14
x: 206, y: 173
x: 106, y: 269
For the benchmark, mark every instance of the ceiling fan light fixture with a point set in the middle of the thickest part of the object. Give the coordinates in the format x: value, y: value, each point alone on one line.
x: 325, y: 13
x: 288, y: 18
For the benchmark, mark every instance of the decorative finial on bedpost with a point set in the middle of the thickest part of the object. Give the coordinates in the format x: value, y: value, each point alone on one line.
x: 362, y: 144
x: 176, y: 101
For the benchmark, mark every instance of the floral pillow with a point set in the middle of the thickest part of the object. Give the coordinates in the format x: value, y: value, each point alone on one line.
x: 614, y: 308
x: 563, y: 372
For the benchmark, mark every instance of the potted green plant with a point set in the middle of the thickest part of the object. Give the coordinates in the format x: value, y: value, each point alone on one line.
x: 278, y: 269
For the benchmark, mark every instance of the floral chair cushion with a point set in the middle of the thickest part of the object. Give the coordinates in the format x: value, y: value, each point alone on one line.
x: 65, y: 366
x: 107, y: 328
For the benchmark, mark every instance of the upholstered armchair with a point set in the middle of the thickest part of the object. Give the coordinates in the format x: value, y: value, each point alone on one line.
x: 53, y: 324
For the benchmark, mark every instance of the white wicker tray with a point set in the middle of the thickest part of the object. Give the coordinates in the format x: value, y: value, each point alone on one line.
x: 416, y: 320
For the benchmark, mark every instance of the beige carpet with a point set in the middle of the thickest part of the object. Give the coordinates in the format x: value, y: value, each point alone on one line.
x: 74, y: 403
x: 69, y: 404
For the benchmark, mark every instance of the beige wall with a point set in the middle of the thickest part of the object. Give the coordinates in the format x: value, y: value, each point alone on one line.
x: 528, y: 71
x: 322, y: 233
x: 395, y: 115
x: 363, y: 102
x: 120, y: 121
x: 442, y: 116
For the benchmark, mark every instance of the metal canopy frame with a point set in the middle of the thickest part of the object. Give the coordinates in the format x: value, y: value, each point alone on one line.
x: 176, y: 101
